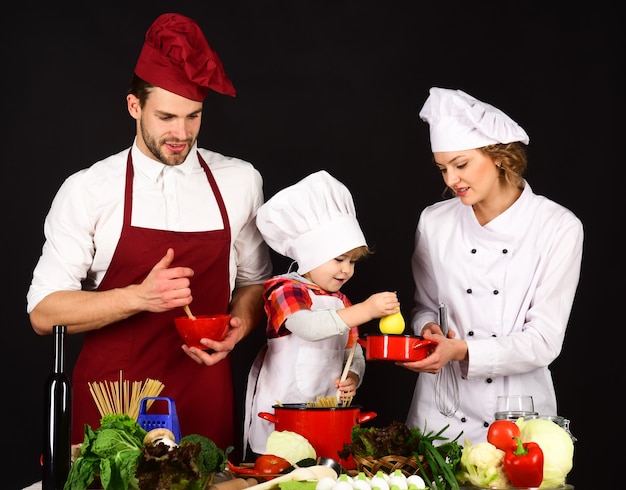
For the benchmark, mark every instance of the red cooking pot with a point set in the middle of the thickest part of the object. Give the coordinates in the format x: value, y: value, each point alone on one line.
x: 327, y: 428
x: 396, y: 347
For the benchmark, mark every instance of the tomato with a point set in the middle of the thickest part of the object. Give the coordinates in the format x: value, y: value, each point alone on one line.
x: 501, y: 434
x: 270, y: 464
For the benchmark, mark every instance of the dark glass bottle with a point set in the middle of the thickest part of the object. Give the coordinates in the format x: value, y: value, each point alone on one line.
x: 57, y: 424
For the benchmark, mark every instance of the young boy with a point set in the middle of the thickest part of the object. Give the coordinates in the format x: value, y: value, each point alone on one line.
x: 311, y: 324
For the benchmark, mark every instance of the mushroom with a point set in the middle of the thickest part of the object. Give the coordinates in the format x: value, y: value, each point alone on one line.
x: 156, y: 436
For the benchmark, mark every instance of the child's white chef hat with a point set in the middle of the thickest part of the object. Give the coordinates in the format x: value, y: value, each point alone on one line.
x: 458, y: 122
x: 311, y: 222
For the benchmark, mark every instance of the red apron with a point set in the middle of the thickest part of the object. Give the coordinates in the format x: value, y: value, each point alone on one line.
x: 147, y: 345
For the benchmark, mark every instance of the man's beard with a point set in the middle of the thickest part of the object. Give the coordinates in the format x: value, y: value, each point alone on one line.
x: 155, y: 148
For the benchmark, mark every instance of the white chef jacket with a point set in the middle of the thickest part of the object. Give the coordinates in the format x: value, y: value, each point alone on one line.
x: 78, y: 251
x: 509, y: 288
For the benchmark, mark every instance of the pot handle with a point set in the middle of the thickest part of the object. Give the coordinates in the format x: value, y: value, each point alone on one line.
x: 362, y: 342
x: 268, y: 416
x: 424, y: 343
x: 365, y: 416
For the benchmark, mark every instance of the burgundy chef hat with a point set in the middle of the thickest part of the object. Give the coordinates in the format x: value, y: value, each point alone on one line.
x: 177, y: 57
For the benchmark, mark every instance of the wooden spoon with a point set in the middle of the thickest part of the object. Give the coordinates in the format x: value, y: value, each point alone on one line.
x: 188, y: 311
x: 308, y: 473
x: 346, y: 368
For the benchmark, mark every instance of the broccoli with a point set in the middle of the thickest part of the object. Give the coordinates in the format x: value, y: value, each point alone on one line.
x: 212, y: 458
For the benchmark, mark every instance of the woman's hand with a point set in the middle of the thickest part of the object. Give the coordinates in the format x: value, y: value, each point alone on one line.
x: 447, y: 349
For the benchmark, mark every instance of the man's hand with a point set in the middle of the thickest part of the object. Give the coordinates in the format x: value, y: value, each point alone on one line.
x: 216, y: 350
x: 166, y: 287
x: 163, y: 289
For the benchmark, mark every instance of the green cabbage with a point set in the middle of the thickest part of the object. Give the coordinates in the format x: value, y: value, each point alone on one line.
x: 289, y: 445
x: 557, y: 447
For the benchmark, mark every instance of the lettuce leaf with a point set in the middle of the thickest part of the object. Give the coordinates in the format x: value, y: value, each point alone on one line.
x: 111, y: 451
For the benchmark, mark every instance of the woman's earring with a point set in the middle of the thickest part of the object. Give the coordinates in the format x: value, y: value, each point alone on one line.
x: 499, y: 165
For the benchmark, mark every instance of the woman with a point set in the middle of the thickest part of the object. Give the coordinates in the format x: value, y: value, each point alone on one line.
x: 505, y: 261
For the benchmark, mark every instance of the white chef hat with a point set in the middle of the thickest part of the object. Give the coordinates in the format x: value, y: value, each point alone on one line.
x: 458, y: 121
x: 311, y: 222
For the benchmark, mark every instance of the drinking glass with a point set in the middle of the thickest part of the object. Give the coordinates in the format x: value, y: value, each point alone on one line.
x: 512, y: 407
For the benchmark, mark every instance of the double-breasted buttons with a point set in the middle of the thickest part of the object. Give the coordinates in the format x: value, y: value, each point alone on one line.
x: 485, y: 424
x: 489, y: 380
x: 470, y: 333
x: 495, y: 292
x: 463, y: 419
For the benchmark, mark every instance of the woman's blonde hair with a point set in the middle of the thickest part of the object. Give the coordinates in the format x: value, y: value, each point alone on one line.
x: 511, y: 159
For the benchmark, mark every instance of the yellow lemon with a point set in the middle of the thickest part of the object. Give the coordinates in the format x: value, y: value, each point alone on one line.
x: 393, y: 323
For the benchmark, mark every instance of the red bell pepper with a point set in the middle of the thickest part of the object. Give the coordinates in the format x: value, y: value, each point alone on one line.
x: 524, y: 464
x: 241, y: 470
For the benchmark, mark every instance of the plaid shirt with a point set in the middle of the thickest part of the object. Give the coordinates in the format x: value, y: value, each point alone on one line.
x: 285, y: 296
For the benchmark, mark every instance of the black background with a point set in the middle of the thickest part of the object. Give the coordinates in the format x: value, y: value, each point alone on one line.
x: 334, y: 85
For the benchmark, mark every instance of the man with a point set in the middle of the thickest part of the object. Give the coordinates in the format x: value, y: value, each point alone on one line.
x: 136, y: 237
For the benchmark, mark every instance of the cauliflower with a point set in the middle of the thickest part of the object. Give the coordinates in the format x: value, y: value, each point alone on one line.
x: 482, y: 465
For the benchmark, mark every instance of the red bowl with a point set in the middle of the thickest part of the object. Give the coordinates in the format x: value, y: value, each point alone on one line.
x: 396, y: 347
x: 212, y: 327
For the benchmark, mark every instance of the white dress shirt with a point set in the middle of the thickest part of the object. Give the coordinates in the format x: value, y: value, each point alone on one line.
x: 84, y: 223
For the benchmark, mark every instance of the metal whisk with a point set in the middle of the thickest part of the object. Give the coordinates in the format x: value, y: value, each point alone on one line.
x: 446, y: 386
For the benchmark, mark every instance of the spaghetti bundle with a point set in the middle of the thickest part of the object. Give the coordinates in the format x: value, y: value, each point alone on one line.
x: 327, y: 402
x: 122, y: 396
